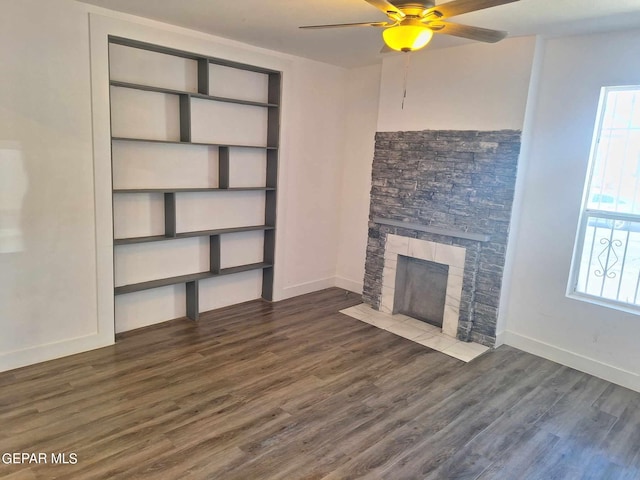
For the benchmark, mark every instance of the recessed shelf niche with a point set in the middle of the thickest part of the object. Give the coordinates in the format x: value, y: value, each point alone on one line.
x: 194, y: 159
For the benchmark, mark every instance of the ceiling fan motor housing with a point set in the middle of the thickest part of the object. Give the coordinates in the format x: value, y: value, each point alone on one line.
x: 413, y: 8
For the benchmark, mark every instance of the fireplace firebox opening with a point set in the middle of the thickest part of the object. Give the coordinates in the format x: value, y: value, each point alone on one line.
x: 421, y: 289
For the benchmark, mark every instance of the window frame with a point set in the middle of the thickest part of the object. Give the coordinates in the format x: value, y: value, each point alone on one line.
x: 586, y: 213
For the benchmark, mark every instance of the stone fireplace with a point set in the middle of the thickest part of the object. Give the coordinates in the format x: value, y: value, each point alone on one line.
x: 443, y: 197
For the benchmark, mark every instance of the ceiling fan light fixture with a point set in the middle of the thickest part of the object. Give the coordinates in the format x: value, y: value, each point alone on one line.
x: 407, y: 38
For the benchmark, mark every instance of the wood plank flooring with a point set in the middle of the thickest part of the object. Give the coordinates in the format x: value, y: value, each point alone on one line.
x: 296, y: 390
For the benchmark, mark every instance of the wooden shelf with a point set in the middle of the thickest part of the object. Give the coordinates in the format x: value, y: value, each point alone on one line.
x: 127, y: 42
x: 202, y: 96
x: 164, y: 282
x: 178, y: 142
x: 192, y: 190
x: 201, y: 233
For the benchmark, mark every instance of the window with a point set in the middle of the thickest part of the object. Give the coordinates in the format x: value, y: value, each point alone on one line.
x: 606, y: 265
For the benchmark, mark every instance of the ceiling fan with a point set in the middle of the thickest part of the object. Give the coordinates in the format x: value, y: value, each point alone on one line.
x: 412, y: 23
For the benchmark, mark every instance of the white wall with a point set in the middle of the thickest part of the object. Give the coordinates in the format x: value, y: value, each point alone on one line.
x: 314, y: 142
x: 539, y: 317
x: 56, y: 293
x: 48, y: 284
x: 363, y: 91
x: 470, y: 87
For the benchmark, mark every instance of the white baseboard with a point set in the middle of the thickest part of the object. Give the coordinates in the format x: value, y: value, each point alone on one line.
x: 315, y: 285
x: 51, y: 351
x: 351, y: 285
x: 588, y: 365
x: 500, y: 338
x: 307, y: 287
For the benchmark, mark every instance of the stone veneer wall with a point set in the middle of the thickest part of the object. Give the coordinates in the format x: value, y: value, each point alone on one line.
x: 458, y: 180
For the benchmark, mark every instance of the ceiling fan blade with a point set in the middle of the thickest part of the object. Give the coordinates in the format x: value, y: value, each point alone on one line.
x: 388, y: 8
x: 465, y: 31
x: 339, y: 25
x: 458, y: 7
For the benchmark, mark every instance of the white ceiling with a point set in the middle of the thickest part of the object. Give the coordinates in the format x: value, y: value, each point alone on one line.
x: 273, y: 24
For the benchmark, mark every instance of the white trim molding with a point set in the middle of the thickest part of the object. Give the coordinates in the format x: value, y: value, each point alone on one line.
x: 588, y: 365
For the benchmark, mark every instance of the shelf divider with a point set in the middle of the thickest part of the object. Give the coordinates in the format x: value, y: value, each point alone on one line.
x: 274, y: 92
x: 214, y: 254
x: 192, y: 300
x: 185, y: 118
x: 268, y: 255
x: 270, y: 208
x: 203, y: 76
x: 272, y: 168
x: 170, y: 214
x: 223, y: 167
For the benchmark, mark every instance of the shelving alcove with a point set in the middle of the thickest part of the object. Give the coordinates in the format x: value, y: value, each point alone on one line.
x: 247, y: 122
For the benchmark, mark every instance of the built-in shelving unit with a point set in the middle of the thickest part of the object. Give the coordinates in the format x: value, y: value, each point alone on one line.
x: 261, y: 116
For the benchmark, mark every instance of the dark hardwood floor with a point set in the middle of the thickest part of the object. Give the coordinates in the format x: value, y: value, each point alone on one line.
x: 296, y: 390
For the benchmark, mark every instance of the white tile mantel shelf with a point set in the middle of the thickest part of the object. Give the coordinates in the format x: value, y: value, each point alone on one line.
x: 417, y: 331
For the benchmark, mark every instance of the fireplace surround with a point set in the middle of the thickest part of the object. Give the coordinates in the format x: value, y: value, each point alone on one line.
x: 447, y: 191
x: 446, y: 255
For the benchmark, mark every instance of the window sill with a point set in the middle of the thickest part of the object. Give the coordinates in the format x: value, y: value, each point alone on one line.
x: 603, y: 302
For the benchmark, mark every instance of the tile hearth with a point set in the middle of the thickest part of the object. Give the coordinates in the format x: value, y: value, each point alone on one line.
x: 417, y: 331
